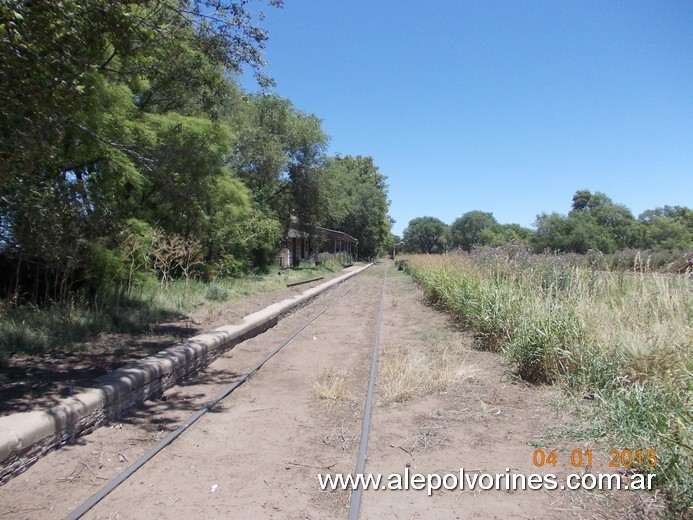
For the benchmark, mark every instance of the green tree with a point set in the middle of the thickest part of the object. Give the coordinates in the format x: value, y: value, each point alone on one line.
x: 278, y: 154
x: 577, y: 233
x: 354, y: 199
x: 669, y: 227
x: 426, y: 235
x: 595, y: 222
x: 581, y: 199
x: 552, y: 230
x: 516, y: 232
x: 106, y: 113
x: 585, y: 200
x: 55, y: 56
x: 474, y: 227
x: 679, y: 213
x: 661, y: 233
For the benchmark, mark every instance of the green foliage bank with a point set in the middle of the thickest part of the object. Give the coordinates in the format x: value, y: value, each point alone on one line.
x: 130, y: 153
x: 594, y: 223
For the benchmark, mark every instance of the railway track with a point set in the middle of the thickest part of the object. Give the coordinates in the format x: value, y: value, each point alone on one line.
x: 365, y: 296
x: 258, y: 450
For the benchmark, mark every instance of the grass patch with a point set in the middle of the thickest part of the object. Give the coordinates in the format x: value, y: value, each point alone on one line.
x: 404, y: 375
x: 31, y: 330
x: 624, y: 339
x: 332, y: 388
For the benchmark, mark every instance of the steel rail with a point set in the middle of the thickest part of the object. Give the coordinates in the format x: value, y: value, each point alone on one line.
x: 294, y: 284
x: 154, y: 450
x: 355, y: 505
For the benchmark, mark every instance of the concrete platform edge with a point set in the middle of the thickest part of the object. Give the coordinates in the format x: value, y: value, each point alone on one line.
x: 27, y: 436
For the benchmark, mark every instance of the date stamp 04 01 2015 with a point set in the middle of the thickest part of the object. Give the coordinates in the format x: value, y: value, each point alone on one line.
x: 619, y: 458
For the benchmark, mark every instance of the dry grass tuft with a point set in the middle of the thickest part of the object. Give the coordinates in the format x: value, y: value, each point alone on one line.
x: 332, y: 387
x: 404, y: 375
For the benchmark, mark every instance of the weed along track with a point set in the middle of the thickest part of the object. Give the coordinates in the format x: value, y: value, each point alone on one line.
x: 248, y: 451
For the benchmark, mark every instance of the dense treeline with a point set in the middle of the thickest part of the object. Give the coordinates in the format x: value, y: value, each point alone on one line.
x: 594, y: 223
x: 129, y: 150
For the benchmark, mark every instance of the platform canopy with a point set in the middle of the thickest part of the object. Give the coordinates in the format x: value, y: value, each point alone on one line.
x: 339, y: 235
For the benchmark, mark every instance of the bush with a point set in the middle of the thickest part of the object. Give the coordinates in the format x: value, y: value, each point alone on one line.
x: 217, y: 293
x: 230, y: 266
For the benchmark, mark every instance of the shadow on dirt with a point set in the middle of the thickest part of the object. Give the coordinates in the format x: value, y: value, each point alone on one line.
x: 39, y: 382
x: 179, y: 403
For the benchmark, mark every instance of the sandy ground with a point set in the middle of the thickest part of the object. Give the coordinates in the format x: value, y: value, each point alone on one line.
x: 258, y: 454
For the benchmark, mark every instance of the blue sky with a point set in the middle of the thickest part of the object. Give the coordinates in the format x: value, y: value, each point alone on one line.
x: 501, y: 106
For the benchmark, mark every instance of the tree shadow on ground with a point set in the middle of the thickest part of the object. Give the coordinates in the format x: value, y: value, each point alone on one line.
x: 168, y: 412
x: 41, y: 381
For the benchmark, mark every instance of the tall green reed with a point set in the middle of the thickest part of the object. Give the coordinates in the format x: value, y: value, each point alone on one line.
x: 623, y: 338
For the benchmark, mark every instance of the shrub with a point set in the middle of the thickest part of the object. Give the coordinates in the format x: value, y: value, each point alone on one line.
x: 217, y: 293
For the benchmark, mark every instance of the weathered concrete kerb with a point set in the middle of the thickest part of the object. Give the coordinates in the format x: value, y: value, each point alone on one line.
x: 25, y: 437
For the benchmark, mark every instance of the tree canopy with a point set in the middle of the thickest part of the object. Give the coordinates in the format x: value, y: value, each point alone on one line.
x: 127, y: 141
x: 594, y: 223
x: 474, y: 227
x: 354, y: 194
x: 426, y: 235
x: 597, y: 223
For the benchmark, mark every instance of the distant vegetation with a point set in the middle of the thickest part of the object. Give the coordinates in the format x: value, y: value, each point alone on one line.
x: 130, y: 154
x: 620, y: 343
x: 595, y: 224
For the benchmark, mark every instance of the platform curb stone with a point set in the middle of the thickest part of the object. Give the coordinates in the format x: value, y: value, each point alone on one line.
x: 25, y: 437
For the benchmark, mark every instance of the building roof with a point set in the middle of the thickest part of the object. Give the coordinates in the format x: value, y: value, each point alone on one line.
x: 333, y: 234
x: 340, y: 235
